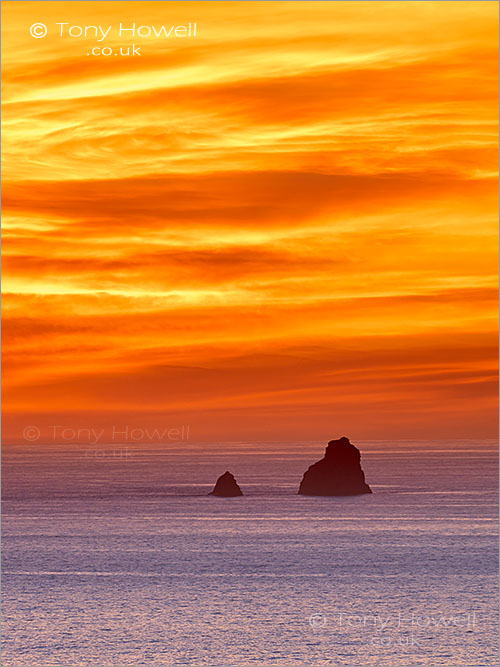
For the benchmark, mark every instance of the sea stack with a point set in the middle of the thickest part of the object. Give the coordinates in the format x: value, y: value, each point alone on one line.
x: 339, y: 473
x: 226, y: 486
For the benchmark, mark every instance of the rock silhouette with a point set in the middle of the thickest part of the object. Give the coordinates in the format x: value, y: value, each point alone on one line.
x: 226, y: 486
x: 339, y: 473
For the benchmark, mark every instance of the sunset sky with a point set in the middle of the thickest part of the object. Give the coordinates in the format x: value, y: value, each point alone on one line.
x: 283, y: 229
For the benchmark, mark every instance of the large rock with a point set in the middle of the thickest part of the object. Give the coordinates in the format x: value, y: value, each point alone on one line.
x: 226, y: 486
x: 339, y: 473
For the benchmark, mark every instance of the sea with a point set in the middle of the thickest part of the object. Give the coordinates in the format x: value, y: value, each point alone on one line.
x: 116, y: 555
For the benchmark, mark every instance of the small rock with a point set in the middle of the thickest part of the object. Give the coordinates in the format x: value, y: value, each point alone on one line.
x: 226, y: 486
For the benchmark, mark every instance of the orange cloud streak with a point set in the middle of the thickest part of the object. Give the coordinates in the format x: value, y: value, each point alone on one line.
x: 283, y: 229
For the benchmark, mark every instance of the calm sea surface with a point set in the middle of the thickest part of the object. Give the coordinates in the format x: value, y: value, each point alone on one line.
x: 115, y: 555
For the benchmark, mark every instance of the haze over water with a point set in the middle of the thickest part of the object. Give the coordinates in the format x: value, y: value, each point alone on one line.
x: 133, y: 564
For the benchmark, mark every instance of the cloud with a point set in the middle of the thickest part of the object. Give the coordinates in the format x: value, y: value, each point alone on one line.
x: 295, y: 225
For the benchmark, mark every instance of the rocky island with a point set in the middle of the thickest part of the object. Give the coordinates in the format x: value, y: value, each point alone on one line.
x: 226, y: 486
x: 339, y: 473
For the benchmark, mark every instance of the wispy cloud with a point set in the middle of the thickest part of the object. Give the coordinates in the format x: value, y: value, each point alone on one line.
x: 291, y: 218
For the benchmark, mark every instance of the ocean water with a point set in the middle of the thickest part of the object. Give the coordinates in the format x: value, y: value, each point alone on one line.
x: 116, y: 555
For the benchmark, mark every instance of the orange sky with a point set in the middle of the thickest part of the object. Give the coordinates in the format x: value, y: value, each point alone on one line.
x: 285, y: 228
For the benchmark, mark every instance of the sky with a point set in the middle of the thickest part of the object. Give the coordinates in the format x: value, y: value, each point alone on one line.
x: 284, y: 228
